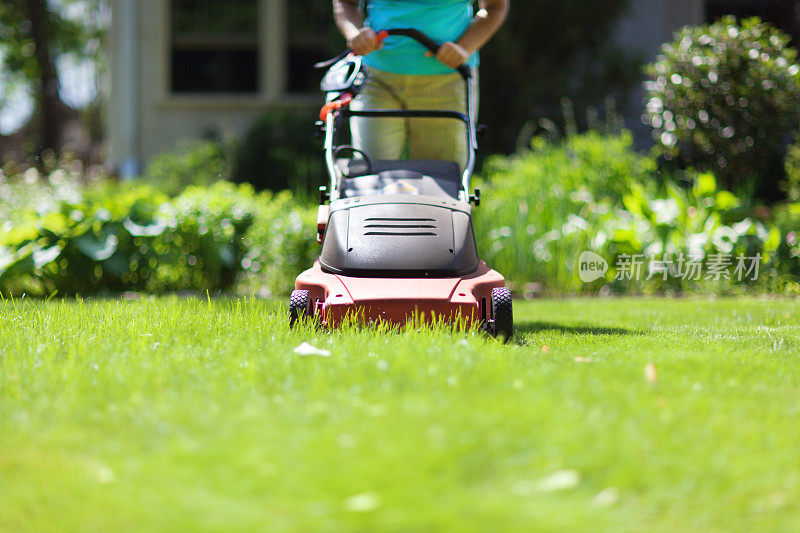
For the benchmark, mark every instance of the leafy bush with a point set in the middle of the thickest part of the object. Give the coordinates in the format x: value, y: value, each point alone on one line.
x: 724, y: 98
x: 281, y: 243
x: 98, y: 240
x: 112, y: 238
x: 190, y: 162
x: 787, y: 219
x: 204, y: 231
x: 680, y: 225
x: 280, y: 152
x: 542, y: 208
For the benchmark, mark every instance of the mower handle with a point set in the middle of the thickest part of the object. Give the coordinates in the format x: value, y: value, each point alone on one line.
x: 431, y: 45
x: 427, y: 42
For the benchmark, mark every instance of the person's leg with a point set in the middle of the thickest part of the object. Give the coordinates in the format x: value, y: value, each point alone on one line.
x: 379, y: 138
x: 444, y: 139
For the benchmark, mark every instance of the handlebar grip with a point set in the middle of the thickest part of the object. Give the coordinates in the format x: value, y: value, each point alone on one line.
x: 428, y: 43
x: 417, y: 35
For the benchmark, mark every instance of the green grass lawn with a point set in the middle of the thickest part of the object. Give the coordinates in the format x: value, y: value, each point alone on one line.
x: 185, y: 415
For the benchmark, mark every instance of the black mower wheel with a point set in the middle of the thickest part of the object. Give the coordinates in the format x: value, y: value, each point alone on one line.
x: 299, y: 303
x: 502, y: 314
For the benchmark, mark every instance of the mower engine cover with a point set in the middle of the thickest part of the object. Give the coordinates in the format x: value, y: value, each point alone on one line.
x: 399, y: 235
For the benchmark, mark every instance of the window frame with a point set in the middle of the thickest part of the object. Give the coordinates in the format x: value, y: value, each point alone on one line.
x: 272, y: 75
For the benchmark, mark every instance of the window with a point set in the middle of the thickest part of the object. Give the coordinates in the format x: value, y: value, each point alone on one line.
x: 214, y: 47
x: 312, y: 37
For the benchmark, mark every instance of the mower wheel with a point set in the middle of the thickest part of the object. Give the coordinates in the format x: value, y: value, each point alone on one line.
x: 502, y: 314
x: 299, y: 304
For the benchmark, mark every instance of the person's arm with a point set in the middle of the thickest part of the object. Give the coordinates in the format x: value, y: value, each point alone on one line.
x: 487, y: 21
x: 350, y: 21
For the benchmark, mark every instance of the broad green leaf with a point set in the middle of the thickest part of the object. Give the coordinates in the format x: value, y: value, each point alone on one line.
x: 19, y: 262
x: 45, y: 256
x: 19, y: 234
x: 57, y: 223
x: 97, y: 249
x: 151, y: 230
x: 773, y: 240
x: 704, y: 185
x: 726, y: 201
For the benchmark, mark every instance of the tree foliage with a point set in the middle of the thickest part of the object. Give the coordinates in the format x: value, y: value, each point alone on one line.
x: 725, y: 98
x: 33, y: 35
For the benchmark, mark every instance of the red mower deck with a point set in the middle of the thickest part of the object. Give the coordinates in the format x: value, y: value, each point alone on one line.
x: 397, y: 300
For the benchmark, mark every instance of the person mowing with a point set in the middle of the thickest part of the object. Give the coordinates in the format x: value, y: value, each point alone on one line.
x: 401, y: 74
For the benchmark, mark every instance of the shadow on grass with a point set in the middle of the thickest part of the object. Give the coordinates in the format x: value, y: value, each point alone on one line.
x: 538, y: 327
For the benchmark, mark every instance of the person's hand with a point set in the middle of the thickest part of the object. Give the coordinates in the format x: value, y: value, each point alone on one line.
x: 365, y: 42
x: 451, y: 54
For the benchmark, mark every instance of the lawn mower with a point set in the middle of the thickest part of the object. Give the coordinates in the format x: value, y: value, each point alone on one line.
x: 397, y: 236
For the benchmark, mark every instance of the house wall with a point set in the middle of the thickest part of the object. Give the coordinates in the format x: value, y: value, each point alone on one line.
x: 647, y: 25
x: 145, y: 118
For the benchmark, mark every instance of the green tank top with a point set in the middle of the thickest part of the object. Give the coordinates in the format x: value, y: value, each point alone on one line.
x: 441, y: 20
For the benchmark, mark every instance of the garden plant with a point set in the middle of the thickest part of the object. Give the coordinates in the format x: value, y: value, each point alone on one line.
x: 724, y: 97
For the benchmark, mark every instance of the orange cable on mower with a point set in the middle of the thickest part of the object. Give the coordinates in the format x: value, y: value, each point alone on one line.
x: 335, y: 105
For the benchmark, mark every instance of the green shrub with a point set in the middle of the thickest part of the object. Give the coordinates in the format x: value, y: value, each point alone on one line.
x: 280, y: 244
x: 724, y: 98
x: 120, y: 237
x: 542, y: 208
x: 279, y: 152
x: 101, y: 240
x: 190, y: 162
x: 787, y: 219
x: 204, y: 237
x: 679, y: 225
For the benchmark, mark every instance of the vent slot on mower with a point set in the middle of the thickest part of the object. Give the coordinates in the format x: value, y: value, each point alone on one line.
x: 401, y: 226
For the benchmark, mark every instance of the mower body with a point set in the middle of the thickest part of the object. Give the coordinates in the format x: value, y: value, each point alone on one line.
x: 391, y: 257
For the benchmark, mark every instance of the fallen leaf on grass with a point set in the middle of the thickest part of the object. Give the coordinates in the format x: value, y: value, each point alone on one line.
x: 582, y: 360
x: 650, y: 373
x: 345, y: 441
x: 102, y: 473
x: 606, y: 497
x: 559, y: 480
x: 306, y: 349
x: 776, y: 500
x: 362, y: 503
x: 545, y: 348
